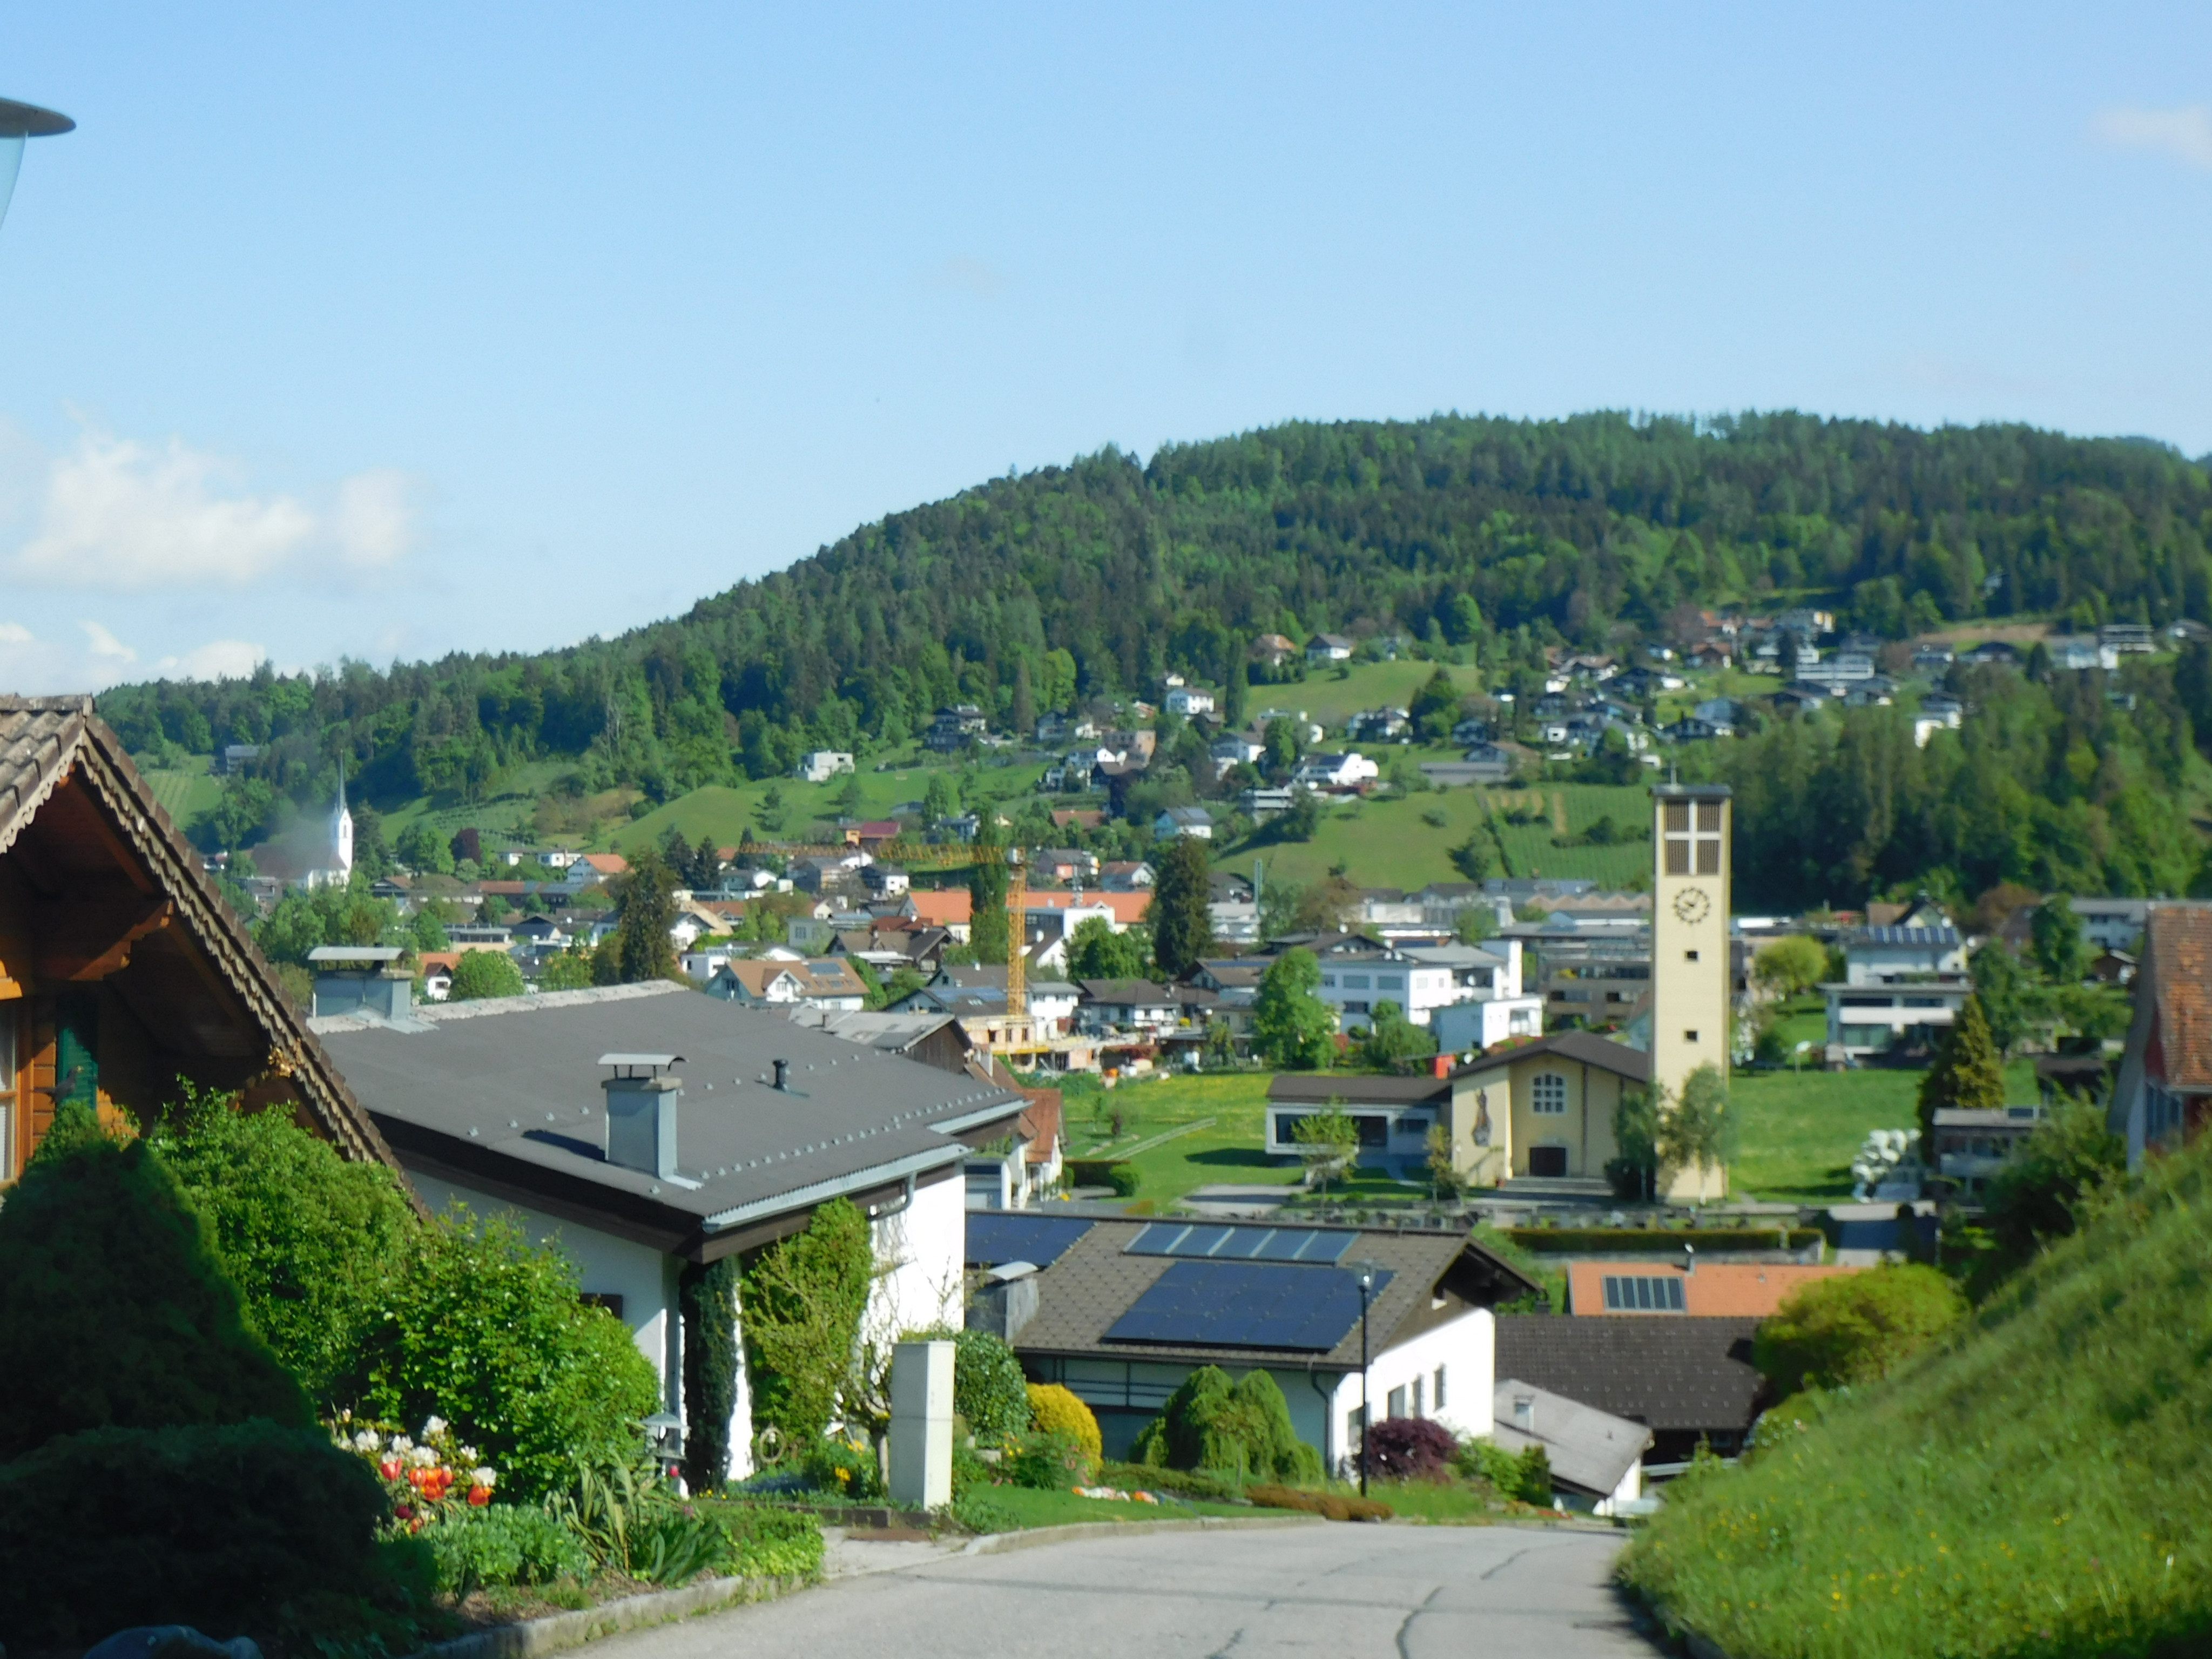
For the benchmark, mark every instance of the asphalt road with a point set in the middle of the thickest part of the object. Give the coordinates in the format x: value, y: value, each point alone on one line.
x: 1336, y: 1590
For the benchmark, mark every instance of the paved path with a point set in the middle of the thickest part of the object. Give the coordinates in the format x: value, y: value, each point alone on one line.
x: 1331, y: 1591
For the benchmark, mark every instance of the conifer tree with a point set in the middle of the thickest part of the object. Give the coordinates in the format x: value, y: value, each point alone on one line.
x: 1967, y: 1075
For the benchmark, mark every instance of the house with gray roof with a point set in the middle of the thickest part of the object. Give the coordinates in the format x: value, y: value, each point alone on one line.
x: 1122, y: 1311
x: 1597, y: 1458
x: 1687, y: 1380
x: 649, y: 1131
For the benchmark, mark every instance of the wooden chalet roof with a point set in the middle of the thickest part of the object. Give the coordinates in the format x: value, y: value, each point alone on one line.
x: 122, y: 901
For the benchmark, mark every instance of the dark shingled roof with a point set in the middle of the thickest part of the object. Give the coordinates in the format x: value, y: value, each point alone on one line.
x: 1090, y: 1287
x: 1686, y: 1373
x: 1585, y: 1047
x: 507, y: 1090
x: 1294, y: 1088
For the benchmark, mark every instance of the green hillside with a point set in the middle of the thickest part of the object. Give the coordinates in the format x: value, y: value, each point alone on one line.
x: 2040, y: 1487
x: 1475, y: 544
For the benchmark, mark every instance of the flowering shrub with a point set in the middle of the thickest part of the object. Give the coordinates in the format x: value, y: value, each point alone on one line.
x: 846, y: 1468
x: 431, y: 1478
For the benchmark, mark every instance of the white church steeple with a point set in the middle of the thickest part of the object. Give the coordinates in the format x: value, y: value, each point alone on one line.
x: 341, y: 848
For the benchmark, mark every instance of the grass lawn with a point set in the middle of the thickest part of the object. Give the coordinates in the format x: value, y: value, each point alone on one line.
x: 1229, y: 1149
x: 1447, y: 1503
x: 1570, y: 809
x: 187, y: 791
x: 1026, y: 1507
x: 1800, y: 1129
x: 1330, y: 701
x: 723, y: 812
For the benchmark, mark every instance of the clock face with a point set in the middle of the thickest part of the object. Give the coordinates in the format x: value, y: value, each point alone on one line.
x: 1691, y: 904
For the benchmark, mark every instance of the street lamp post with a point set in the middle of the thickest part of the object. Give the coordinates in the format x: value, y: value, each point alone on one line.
x: 18, y: 123
x: 1365, y: 1271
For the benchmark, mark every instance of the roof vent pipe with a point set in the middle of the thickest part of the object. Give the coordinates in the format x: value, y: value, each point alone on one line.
x: 782, y: 1073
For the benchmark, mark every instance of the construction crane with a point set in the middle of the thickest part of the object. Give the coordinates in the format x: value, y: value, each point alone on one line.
x: 931, y: 855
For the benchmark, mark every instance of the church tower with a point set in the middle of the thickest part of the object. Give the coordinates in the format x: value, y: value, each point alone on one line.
x: 341, y: 837
x: 1691, y: 991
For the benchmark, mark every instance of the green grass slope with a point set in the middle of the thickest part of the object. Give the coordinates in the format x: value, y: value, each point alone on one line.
x: 2038, y: 1487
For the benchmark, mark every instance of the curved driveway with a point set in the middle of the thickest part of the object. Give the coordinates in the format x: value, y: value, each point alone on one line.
x: 1335, y: 1591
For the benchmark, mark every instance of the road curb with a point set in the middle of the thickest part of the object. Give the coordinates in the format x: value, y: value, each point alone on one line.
x: 998, y: 1543
x: 557, y: 1631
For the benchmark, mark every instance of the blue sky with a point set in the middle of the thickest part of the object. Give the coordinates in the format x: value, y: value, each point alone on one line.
x: 387, y: 332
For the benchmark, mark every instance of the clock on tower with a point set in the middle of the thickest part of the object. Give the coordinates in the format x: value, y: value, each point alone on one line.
x: 1690, y: 992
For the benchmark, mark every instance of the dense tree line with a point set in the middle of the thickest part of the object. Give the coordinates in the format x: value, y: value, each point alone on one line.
x: 1480, y: 538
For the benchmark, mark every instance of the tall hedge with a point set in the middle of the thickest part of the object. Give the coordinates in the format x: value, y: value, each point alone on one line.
x: 242, y: 1528
x: 309, y: 1240
x: 114, y: 1310
x: 711, y: 1358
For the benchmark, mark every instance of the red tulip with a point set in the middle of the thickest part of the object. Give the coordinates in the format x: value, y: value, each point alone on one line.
x: 479, y: 1496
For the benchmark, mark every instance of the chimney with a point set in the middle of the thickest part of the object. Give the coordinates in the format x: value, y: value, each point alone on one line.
x: 782, y: 1074
x: 642, y: 1102
x: 1689, y: 1258
x: 356, y: 979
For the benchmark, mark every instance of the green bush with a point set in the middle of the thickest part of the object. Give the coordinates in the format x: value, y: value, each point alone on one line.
x: 485, y: 1329
x: 1524, y: 1477
x: 1856, y: 1328
x: 1103, y: 1172
x: 309, y: 1240
x: 505, y: 1544
x: 1238, y: 1429
x: 988, y: 1388
x: 114, y: 1310
x: 1045, y: 1460
x: 231, y: 1527
x: 845, y: 1468
x: 1184, y: 1483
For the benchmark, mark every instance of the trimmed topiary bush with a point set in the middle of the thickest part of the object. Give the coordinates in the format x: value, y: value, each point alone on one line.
x: 240, y: 1526
x: 988, y: 1388
x: 1336, y: 1506
x: 309, y: 1240
x: 1241, y: 1429
x: 1057, y: 1411
x: 114, y: 1311
x: 1409, y: 1449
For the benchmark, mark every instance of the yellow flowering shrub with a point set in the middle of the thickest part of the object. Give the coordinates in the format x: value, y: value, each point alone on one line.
x: 1058, y: 1411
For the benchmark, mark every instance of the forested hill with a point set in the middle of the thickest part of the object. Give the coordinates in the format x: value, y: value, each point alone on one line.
x: 1487, y: 537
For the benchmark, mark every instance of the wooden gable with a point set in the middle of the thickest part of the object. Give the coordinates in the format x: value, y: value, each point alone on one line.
x: 122, y: 971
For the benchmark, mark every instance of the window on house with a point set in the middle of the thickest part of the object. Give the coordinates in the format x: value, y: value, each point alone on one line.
x: 1643, y: 1293
x: 1355, y: 981
x: 1689, y: 956
x: 1389, y: 982
x: 1419, y: 1384
x: 1352, y: 1432
x: 1689, y: 1037
x: 1437, y: 1394
x: 1397, y: 1406
x: 1547, y: 1094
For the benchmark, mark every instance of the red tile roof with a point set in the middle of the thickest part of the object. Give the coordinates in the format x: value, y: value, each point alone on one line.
x: 1718, y: 1289
x: 2176, y: 968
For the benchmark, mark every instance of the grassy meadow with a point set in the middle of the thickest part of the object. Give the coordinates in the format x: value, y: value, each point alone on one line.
x: 2037, y: 1487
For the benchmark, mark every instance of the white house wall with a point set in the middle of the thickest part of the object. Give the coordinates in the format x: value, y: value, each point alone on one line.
x: 1466, y: 1348
x: 924, y: 1246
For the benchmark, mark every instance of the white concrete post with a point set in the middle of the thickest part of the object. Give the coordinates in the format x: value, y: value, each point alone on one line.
x: 921, y: 1425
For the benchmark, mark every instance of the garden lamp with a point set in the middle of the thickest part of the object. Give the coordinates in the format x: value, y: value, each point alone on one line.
x: 18, y: 123
x: 1364, y: 1271
x: 665, y: 1431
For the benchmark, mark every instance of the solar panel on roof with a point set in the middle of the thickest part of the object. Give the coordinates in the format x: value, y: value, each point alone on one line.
x: 1238, y: 1243
x: 1040, y: 1239
x: 1241, y: 1304
x: 1204, y: 1241
x: 1156, y: 1238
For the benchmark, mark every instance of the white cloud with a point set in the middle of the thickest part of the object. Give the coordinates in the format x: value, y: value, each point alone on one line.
x: 2185, y: 134
x: 118, y: 515
x: 32, y: 666
x: 374, y: 522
